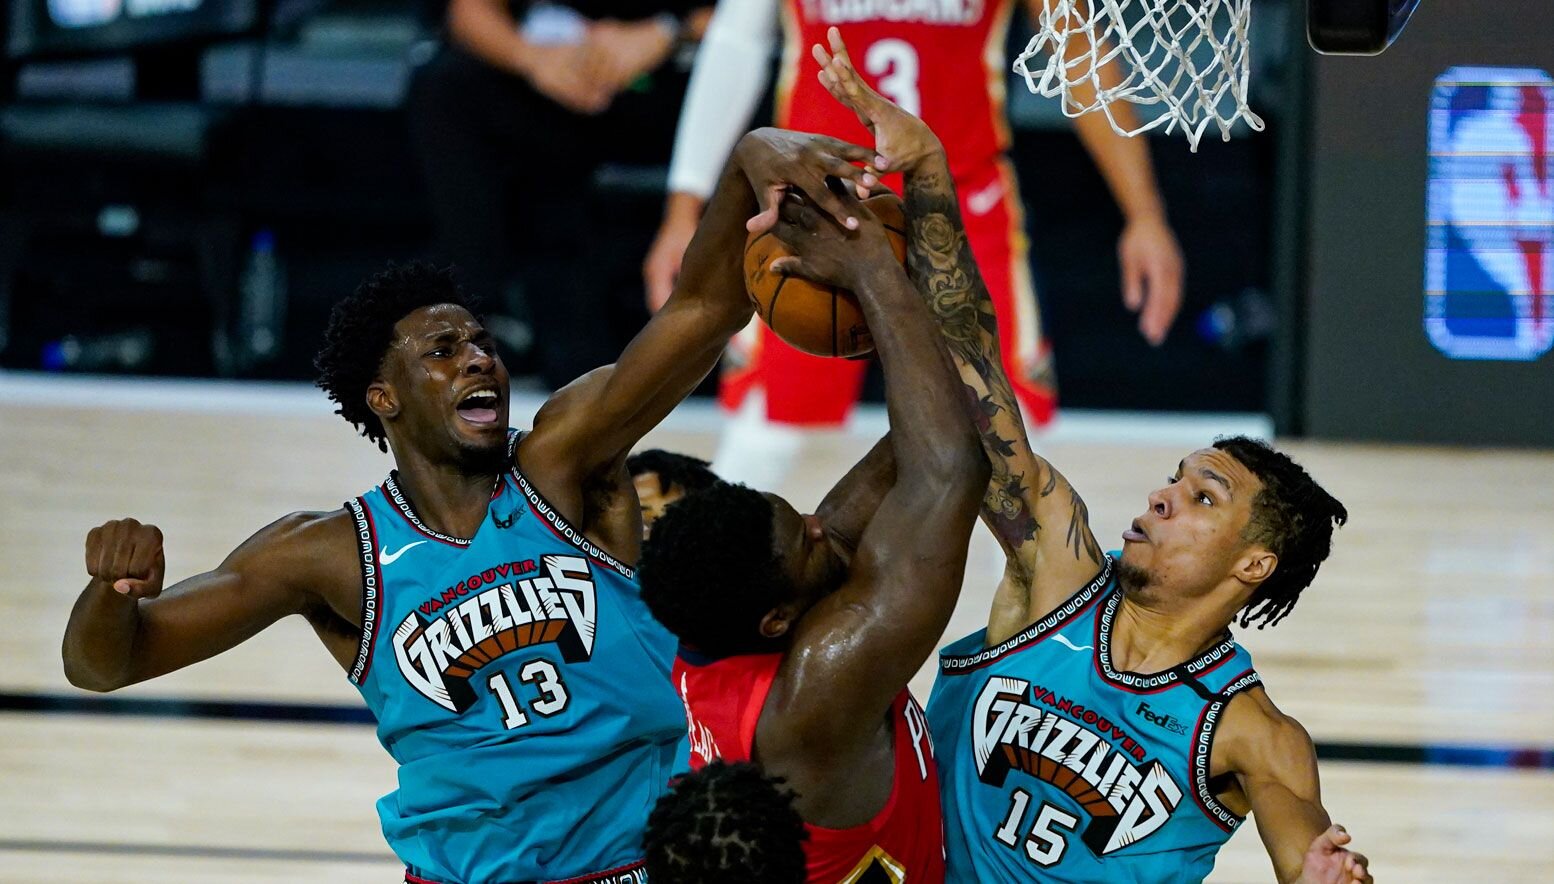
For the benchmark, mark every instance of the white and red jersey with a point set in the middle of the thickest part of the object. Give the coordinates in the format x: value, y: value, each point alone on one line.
x: 942, y: 60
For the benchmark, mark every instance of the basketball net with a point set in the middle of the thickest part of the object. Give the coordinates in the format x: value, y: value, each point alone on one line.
x: 1186, y: 61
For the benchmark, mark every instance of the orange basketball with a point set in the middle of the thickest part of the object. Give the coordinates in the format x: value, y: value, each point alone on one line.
x: 824, y: 320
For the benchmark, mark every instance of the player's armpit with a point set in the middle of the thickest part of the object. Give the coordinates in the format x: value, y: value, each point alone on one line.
x: 850, y: 505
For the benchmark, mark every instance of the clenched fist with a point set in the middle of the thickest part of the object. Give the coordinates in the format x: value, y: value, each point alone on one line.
x: 127, y: 555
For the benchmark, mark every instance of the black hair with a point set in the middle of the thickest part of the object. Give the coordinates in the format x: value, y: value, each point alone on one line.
x: 709, y: 572
x: 361, y: 328
x: 689, y: 473
x: 726, y: 824
x: 1293, y: 517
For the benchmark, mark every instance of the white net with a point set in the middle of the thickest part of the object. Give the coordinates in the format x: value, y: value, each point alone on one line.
x: 1182, y: 63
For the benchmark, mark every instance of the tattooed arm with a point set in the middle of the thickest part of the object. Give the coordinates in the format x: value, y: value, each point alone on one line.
x: 1037, y: 516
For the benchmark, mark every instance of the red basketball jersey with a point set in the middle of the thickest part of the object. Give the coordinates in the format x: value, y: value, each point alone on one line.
x: 943, y: 60
x: 905, y: 840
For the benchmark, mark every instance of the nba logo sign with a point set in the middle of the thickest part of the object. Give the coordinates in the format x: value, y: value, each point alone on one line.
x: 83, y: 13
x: 1491, y: 214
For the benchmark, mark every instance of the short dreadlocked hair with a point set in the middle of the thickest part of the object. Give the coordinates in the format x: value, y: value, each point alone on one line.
x: 689, y: 473
x: 726, y: 824
x: 709, y: 572
x: 1293, y: 517
x: 361, y: 327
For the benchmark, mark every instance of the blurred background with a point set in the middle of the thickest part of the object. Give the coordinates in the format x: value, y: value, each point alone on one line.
x: 187, y: 186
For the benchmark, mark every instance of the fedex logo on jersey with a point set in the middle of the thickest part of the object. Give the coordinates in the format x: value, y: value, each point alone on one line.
x: 1490, y: 211
x: 438, y: 656
x: 1127, y: 801
x: 934, y: 12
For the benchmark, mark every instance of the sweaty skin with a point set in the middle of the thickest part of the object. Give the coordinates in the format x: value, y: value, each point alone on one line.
x: 898, y: 551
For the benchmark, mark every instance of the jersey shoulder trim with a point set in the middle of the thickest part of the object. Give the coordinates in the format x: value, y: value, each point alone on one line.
x: 372, y: 584
x: 562, y: 529
x: 954, y: 664
x: 1220, y: 677
x: 1203, y: 748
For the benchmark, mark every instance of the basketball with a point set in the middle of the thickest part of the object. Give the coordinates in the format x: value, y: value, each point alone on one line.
x: 823, y: 320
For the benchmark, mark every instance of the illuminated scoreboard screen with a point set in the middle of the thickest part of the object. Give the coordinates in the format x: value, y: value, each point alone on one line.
x: 41, y: 28
x: 1428, y: 233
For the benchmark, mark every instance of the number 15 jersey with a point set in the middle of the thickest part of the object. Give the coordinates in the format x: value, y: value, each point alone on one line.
x: 1054, y: 766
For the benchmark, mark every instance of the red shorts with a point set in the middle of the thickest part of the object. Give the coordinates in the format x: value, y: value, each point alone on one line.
x: 816, y: 391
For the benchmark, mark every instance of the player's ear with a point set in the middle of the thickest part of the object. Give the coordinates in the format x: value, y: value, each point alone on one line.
x: 776, y: 622
x: 382, y: 399
x: 1257, y: 564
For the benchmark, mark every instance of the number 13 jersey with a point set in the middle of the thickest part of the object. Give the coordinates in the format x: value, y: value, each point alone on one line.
x: 520, y: 683
x: 1056, y: 767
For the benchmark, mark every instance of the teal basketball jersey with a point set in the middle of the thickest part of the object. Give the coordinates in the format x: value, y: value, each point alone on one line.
x: 1056, y: 767
x: 522, y: 686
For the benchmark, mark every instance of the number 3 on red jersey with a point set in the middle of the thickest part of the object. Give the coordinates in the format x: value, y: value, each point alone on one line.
x: 894, y: 65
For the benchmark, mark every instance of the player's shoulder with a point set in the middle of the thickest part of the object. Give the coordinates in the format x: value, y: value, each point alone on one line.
x: 314, y: 555
x: 308, y: 543
x: 1254, y: 728
x: 310, y: 526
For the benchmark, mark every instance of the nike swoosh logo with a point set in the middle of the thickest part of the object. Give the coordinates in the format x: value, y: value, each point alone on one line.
x: 390, y: 558
x: 1071, y: 645
x: 985, y: 200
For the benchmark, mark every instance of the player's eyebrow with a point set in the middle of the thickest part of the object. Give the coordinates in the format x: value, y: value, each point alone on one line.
x: 1216, y: 477
x: 445, y: 334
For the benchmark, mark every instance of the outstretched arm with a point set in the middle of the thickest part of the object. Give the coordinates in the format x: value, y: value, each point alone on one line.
x: 854, y: 651
x: 125, y: 629
x: 593, y: 422
x: 1275, y: 767
x: 1037, y: 516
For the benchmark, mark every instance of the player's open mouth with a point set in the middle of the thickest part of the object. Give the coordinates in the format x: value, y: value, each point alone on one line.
x: 1135, y: 533
x: 479, y: 408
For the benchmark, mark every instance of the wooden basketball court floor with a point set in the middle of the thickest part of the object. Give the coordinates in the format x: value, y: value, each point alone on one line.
x: 1421, y: 661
